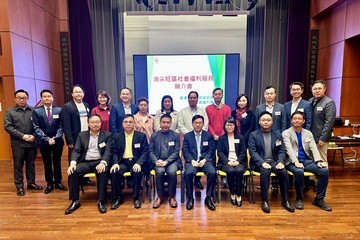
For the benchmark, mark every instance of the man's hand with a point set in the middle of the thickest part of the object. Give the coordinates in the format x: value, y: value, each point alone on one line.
x: 71, y: 169
x: 266, y: 165
x: 216, y: 137
x: 161, y: 163
x: 202, y: 163
x: 299, y: 165
x: 100, y: 167
x: 194, y: 163
x: 280, y: 165
x: 51, y: 141
x: 114, y: 168
x: 71, y: 146
x: 31, y: 138
x: 136, y: 167
x: 28, y: 138
x: 235, y: 163
x: 322, y: 164
x: 321, y: 143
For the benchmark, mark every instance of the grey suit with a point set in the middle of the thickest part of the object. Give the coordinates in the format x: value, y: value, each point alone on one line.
x: 278, y: 115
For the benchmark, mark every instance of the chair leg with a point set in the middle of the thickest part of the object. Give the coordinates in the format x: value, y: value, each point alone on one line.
x: 82, y: 189
x: 251, y: 187
x: 342, y: 159
x: 333, y: 157
x: 182, y: 187
x: 218, y: 189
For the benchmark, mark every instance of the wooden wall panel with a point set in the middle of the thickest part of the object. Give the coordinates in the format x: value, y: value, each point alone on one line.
x: 4, y: 19
x: 352, y: 57
x: 56, y: 88
x: 6, y: 63
x: 28, y: 84
x: 51, y: 7
x: 318, y: 6
x: 352, y: 19
x: 350, y: 101
x: 19, y: 17
x: 332, y: 91
x: 330, y: 61
x: 22, y: 56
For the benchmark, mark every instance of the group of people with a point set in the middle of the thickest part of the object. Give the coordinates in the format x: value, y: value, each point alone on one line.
x: 124, y: 137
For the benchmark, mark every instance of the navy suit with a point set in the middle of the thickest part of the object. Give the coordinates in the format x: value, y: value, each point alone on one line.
x: 278, y: 116
x: 207, y: 149
x: 117, y: 114
x: 140, y: 151
x: 304, y: 107
x: 257, y: 152
x: 46, y: 130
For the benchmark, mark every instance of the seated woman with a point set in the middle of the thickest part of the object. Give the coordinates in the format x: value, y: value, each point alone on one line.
x: 167, y: 106
x: 231, y: 151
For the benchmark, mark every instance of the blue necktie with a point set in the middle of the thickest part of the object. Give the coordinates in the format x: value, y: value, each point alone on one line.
x: 198, y: 144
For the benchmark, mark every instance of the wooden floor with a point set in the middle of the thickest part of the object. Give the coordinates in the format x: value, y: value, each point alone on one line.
x: 40, y: 216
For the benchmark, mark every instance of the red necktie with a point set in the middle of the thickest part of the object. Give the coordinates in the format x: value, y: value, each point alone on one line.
x: 49, y: 115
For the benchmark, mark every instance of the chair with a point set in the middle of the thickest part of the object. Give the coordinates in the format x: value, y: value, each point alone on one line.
x: 88, y: 175
x: 153, y: 183
x: 334, y: 147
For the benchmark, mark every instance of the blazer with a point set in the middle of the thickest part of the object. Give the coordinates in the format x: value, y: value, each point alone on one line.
x: 117, y: 114
x: 223, y: 150
x: 82, y: 145
x: 304, y: 107
x: 279, y: 119
x: 247, y: 124
x: 70, y: 120
x: 257, y: 147
x: 292, y: 145
x: 323, y: 118
x: 140, y: 148
x: 185, y: 119
x: 174, y: 120
x: 173, y: 148
x: 207, y: 145
x: 45, y: 130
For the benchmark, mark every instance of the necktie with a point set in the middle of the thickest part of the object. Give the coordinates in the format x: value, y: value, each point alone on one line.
x: 198, y: 143
x: 49, y: 115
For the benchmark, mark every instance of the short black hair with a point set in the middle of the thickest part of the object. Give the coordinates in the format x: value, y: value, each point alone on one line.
x: 46, y: 91
x: 125, y: 88
x: 103, y: 93
x: 197, y: 95
x: 94, y: 115
x: 320, y: 81
x: 77, y: 85
x: 270, y: 86
x: 265, y: 112
x: 298, y: 112
x: 297, y: 83
x: 21, y: 91
x: 197, y: 116
x: 166, y: 115
x: 128, y: 115
x: 230, y: 120
x: 142, y: 99
x: 216, y: 89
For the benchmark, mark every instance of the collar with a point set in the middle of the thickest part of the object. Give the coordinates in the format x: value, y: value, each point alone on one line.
x: 94, y: 135
x: 45, y: 107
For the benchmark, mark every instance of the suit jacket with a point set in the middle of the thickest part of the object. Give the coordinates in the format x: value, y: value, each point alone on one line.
x: 292, y: 145
x: 323, y: 118
x: 207, y: 145
x: 223, y: 150
x: 173, y: 147
x: 82, y: 145
x: 257, y: 147
x: 247, y: 124
x: 45, y: 130
x: 70, y: 120
x: 279, y: 118
x: 185, y: 119
x: 140, y: 148
x: 304, y: 107
x: 117, y: 114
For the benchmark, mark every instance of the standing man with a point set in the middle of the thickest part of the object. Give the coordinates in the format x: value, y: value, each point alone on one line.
x: 323, y: 117
x: 198, y: 149
x: 217, y: 114
x: 130, y: 154
x: 164, y: 153
x: 298, y: 104
x: 92, y: 153
x: 276, y: 110
x: 303, y: 155
x: 18, y: 123
x: 46, y: 122
x: 119, y: 110
x: 268, y: 155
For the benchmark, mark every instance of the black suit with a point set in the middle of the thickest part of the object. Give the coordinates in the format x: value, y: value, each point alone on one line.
x: 247, y: 124
x: 46, y: 130
x: 84, y: 166
x: 207, y: 149
x: 140, y: 150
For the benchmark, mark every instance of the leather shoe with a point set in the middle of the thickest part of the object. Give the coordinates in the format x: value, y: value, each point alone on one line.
x: 49, y: 188
x: 137, y: 203
x: 190, y: 204
x: 117, y: 203
x: 20, y: 191
x: 210, y: 203
x: 233, y: 201
x: 224, y: 182
x: 321, y: 204
x: 87, y: 182
x: 287, y: 205
x: 173, y: 202
x: 299, y: 204
x: 198, y: 184
x: 265, y: 207
x: 73, y: 206
x: 102, y: 207
x: 60, y: 186
x: 239, y: 203
x: 157, y: 202
x: 34, y: 186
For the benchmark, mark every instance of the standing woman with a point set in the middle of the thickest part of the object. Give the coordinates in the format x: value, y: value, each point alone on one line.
x: 244, y: 117
x: 231, y: 151
x: 167, y: 106
x: 144, y: 122
x: 103, y: 109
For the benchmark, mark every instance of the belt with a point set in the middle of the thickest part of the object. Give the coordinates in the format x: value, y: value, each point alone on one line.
x: 128, y: 159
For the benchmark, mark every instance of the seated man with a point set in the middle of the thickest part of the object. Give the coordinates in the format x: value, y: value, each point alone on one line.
x: 268, y: 155
x: 129, y: 155
x: 92, y: 153
x: 198, y: 149
x: 303, y: 155
x: 164, y: 153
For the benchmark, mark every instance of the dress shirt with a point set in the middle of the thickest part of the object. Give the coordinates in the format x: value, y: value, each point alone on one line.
x: 128, y: 147
x: 93, y: 150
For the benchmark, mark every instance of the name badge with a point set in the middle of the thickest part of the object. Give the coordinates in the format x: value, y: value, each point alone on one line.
x: 236, y: 140
x: 55, y: 116
x: 277, y: 113
x: 244, y: 115
x: 137, y: 145
x: 101, y: 145
x: 301, y: 109
x: 278, y: 143
x: 205, y: 143
x: 87, y: 109
x: 307, y: 139
x: 319, y: 109
x: 171, y: 143
x: 31, y: 118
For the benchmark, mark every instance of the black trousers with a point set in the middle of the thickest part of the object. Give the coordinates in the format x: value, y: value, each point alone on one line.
x: 52, y: 165
x: 170, y: 170
x: 190, y: 172
x: 235, y: 177
x: 21, y: 156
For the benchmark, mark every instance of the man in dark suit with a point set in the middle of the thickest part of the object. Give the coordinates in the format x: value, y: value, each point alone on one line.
x: 92, y: 153
x: 298, y: 104
x: 164, y: 153
x: 198, y: 149
x: 268, y: 155
x: 276, y: 109
x: 130, y: 153
x: 46, y: 122
x: 119, y: 110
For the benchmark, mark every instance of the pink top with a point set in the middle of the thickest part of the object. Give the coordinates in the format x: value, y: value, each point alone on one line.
x: 146, y: 126
x: 105, y: 116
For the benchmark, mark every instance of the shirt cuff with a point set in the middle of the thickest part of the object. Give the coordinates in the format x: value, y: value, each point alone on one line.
x: 104, y: 162
x: 73, y: 162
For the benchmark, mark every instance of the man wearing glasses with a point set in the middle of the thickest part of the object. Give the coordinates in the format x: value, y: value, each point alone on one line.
x: 18, y: 123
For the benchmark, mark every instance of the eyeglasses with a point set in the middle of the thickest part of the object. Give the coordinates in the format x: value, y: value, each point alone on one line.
x: 94, y: 122
x: 22, y: 98
x: 78, y: 92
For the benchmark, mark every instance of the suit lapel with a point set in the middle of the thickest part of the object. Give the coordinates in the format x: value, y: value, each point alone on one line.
x: 260, y: 137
